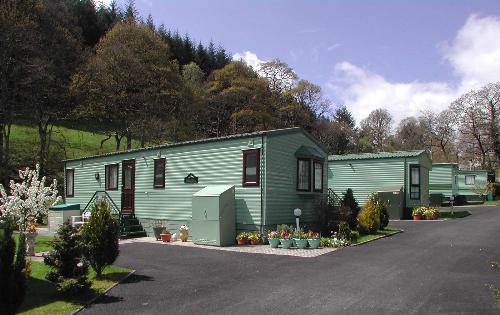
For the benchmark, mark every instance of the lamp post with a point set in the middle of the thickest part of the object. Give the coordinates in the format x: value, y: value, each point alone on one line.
x: 297, y: 212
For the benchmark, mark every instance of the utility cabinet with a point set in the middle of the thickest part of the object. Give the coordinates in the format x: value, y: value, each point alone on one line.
x: 61, y: 213
x: 214, y: 216
x: 393, y: 197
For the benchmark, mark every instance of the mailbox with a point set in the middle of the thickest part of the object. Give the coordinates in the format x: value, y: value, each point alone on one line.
x: 214, y: 216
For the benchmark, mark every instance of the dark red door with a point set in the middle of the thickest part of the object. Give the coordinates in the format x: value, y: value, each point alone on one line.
x: 128, y: 186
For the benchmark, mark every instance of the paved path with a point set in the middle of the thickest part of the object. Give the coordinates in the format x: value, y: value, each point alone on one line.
x: 432, y: 268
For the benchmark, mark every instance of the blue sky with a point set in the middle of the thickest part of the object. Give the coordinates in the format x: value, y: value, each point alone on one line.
x: 406, y: 56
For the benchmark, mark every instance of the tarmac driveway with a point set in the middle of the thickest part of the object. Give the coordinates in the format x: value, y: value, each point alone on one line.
x: 433, y: 267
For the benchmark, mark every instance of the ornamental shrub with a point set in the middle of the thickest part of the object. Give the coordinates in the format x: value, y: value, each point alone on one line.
x: 68, y: 269
x: 350, y: 202
x: 384, y: 216
x: 369, y: 217
x: 344, y: 232
x: 100, y: 238
x: 12, y: 269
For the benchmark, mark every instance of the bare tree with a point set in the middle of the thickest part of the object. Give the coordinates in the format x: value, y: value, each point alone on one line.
x: 377, y: 127
x: 280, y: 75
x: 410, y: 134
x: 490, y: 95
x: 438, y: 132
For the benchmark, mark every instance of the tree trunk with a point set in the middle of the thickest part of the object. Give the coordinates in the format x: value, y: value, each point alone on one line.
x: 493, y: 130
x: 2, y: 144
x: 42, y: 134
x: 129, y: 141
x: 118, y: 140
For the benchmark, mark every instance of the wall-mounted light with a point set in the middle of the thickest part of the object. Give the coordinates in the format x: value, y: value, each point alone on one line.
x: 97, y: 176
x: 250, y: 143
x: 158, y: 154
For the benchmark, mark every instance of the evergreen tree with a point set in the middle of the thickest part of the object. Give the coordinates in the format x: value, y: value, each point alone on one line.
x: 68, y: 269
x: 100, y: 238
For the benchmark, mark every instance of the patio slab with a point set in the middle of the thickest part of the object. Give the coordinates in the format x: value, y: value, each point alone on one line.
x: 249, y: 249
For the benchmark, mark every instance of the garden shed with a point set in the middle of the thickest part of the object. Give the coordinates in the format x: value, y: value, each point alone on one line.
x: 469, y: 183
x: 272, y: 172
x: 406, y: 171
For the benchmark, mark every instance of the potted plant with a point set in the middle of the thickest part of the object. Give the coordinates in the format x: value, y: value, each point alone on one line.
x: 184, y: 233
x: 286, y: 239
x: 254, y: 238
x: 158, y: 228
x: 273, y: 238
x: 30, y: 234
x: 313, y: 239
x: 300, y: 239
x: 418, y: 213
x: 242, y: 238
x: 431, y: 213
x: 166, y: 236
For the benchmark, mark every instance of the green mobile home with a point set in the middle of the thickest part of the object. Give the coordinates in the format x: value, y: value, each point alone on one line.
x: 406, y: 171
x: 273, y: 172
x: 442, y: 179
x: 467, y: 181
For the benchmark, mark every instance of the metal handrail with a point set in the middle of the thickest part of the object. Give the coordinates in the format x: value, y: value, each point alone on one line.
x: 114, y: 208
x: 333, y: 198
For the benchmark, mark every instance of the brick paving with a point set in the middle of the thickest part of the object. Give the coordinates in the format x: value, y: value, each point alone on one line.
x: 250, y: 249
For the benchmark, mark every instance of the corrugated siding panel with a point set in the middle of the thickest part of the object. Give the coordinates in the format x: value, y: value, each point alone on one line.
x: 214, y: 163
x: 281, y: 194
x: 468, y: 190
x: 441, y: 180
x: 365, y: 176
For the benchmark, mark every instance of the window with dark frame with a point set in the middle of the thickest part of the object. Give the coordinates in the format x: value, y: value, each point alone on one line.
x: 111, y: 177
x: 251, y: 167
x: 318, y: 175
x: 414, y: 182
x: 159, y: 173
x: 70, y: 183
x: 470, y: 179
x: 303, y: 174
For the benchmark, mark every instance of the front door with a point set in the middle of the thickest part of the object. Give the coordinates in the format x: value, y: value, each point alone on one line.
x: 128, y: 186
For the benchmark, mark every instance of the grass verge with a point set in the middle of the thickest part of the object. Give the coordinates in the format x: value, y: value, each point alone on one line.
x: 492, y: 203
x: 42, y: 243
x: 379, y: 234
x: 42, y: 297
x: 455, y: 215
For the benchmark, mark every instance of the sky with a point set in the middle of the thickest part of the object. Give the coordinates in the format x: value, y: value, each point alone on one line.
x: 405, y: 56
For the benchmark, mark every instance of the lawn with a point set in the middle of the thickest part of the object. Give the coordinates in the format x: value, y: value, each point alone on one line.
x: 380, y: 233
x: 42, y: 297
x: 492, y: 203
x: 456, y: 214
x: 42, y: 243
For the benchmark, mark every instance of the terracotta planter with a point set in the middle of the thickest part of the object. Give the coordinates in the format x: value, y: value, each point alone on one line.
x: 242, y: 242
x: 254, y: 242
x: 166, y: 237
x: 429, y: 217
x: 417, y: 217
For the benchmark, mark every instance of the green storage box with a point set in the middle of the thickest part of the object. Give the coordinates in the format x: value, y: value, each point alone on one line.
x: 213, y: 216
x: 393, y: 198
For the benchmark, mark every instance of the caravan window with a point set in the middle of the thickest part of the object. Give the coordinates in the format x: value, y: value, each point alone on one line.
x: 318, y: 176
x: 303, y: 174
x: 70, y: 182
x: 415, y: 182
x: 111, y: 171
x: 251, y: 167
x: 470, y: 179
x: 159, y: 173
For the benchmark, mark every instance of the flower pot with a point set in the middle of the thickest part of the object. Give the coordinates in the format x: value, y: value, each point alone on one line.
x: 286, y: 243
x: 184, y: 236
x: 274, y: 242
x: 242, y: 242
x: 429, y: 217
x: 314, y: 243
x: 254, y: 242
x: 301, y: 243
x: 157, y: 231
x: 166, y: 237
x: 417, y: 217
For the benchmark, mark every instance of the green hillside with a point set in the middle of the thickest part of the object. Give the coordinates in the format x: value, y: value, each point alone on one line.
x: 65, y: 144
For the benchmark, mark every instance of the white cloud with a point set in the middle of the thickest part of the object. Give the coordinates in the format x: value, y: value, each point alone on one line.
x: 249, y: 58
x: 474, y: 55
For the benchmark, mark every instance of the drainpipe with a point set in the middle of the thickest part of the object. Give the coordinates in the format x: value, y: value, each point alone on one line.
x: 404, y: 190
x: 262, y: 182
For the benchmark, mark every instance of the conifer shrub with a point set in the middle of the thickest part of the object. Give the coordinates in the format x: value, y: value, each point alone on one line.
x: 100, y: 238
x: 13, y: 269
x: 344, y: 232
x: 68, y: 268
x: 384, y: 216
x: 369, y: 217
x: 350, y: 202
